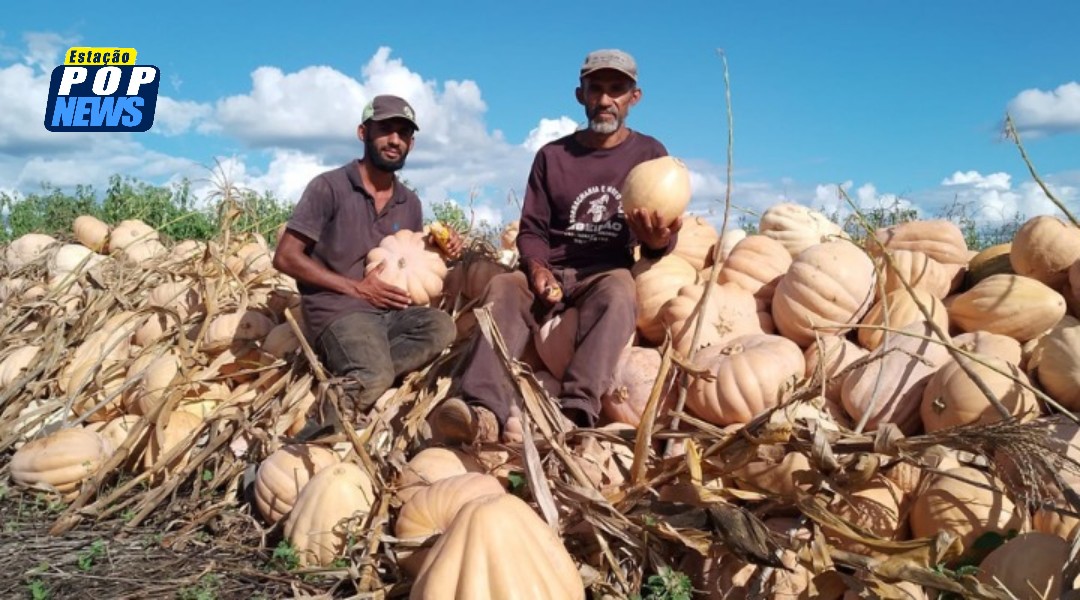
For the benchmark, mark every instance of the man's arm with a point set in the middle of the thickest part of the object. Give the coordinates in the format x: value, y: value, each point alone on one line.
x: 533, y: 239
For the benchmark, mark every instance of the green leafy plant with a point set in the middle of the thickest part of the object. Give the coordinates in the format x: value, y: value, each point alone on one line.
x: 285, y: 556
x: 37, y: 590
x: 205, y: 589
x: 667, y: 584
x: 88, y: 557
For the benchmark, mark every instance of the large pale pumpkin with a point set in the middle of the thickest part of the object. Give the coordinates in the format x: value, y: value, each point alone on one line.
x: 917, y: 269
x: 327, y: 512
x: 25, y: 249
x: 1012, y: 305
x: 989, y: 261
x: 756, y: 264
x: 167, y: 440
x: 753, y: 373
x: 228, y: 328
x: 828, y: 358
x: 897, y: 310
x: 939, y: 239
x: 797, y: 227
x: 1030, y: 566
x: 656, y: 282
x: 827, y: 289
x: 697, y: 239
x: 660, y: 184
x: 951, y: 398
x: 432, y: 464
x: 91, y: 232
x: 1058, y: 364
x: 730, y: 312
x: 409, y: 265
x: 497, y: 548
x: 60, y: 462
x: 634, y: 378
x: 431, y: 510
x: 967, y: 511
x: 284, y: 473
x: 556, y: 340
x: 990, y: 344
x: 1044, y: 248
x: 890, y: 383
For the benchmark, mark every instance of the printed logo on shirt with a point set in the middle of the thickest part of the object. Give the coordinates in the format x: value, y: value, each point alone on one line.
x: 593, y: 215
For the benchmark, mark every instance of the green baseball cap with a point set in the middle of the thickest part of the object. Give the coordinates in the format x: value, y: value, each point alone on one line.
x: 385, y: 107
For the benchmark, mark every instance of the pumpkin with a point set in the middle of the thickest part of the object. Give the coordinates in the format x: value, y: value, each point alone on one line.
x: 1058, y: 363
x: 1030, y: 566
x: 952, y: 505
x: 186, y: 250
x: 60, y: 462
x: 939, y: 239
x: 281, y: 342
x: 775, y: 471
x: 284, y: 473
x: 889, y: 385
x: 990, y: 261
x: 430, y: 465
x: 756, y: 264
x: 325, y: 513
x: 409, y: 265
x: 91, y: 232
x: 25, y: 249
x: 470, y: 559
x: 828, y: 358
x: 16, y: 363
x: 634, y: 378
x: 797, y: 227
x: 555, y: 341
x: 165, y: 439
x: 952, y: 398
x: 154, y: 376
x: 726, y: 576
x: 897, y: 310
x: 826, y: 290
x: 657, y: 281
x: 696, y: 241
x: 508, y: 237
x: 728, y: 240
x: 70, y: 260
x: 876, y: 506
x: 228, y: 328
x: 1044, y: 248
x: 143, y: 251
x: 1012, y: 305
x: 660, y: 184
x: 753, y: 373
x: 180, y: 296
x: 131, y: 232
x: 431, y: 510
x: 731, y: 311
x: 117, y: 431
x: 916, y: 268
x: 990, y: 344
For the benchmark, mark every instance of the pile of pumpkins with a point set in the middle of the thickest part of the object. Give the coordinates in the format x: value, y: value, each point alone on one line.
x: 872, y: 326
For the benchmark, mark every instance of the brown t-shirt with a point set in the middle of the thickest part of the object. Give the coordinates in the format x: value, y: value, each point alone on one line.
x: 338, y: 214
x: 573, y: 216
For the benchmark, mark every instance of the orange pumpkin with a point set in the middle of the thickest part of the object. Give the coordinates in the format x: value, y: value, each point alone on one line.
x: 408, y: 264
x: 1012, y: 305
x: 798, y: 227
x: 939, y: 239
x: 328, y: 512
x: 730, y: 312
x: 1044, y: 248
x: 916, y: 268
x: 753, y: 373
x: 634, y: 377
x: 965, y: 510
x: 657, y: 281
x: 284, y: 473
x: 952, y: 398
x: 660, y: 184
x: 696, y: 241
x: 897, y: 310
x: 756, y: 264
x: 60, y: 462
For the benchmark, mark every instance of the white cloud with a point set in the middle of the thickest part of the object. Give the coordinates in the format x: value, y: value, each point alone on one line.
x: 549, y: 130
x: 1036, y: 112
x: 174, y: 117
x: 994, y: 181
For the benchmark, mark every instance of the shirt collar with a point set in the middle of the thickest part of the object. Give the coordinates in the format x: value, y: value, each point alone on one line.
x: 353, y: 172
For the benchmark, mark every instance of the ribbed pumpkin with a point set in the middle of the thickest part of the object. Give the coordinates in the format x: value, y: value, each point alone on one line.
x: 634, y: 379
x: 917, y: 269
x: 470, y: 560
x: 25, y: 249
x: 91, y: 232
x: 1044, y: 248
x: 949, y: 504
x: 952, y: 399
x: 832, y: 354
x: 657, y: 281
x: 60, y: 462
x: 326, y: 513
x: 889, y: 385
x: 827, y: 289
x: 163, y: 440
x: 555, y: 341
x: 939, y: 239
x: 1030, y: 566
x: 1058, y: 363
x: 409, y: 265
x: 897, y: 310
x: 730, y: 312
x: 756, y: 264
x: 797, y: 227
x: 877, y: 506
x: 431, y: 510
x: 154, y: 375
x: 696, y: 241
x: 753, y: 373
x: 284, y: 473
x: 1012, y: 305
x: 728, y: 241
x: 432, y: 464
x: 117, y: 431
x: 660, y: 184
x: 989, y: 261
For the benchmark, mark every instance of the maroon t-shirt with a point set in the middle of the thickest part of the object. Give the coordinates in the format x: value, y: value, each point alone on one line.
x: 573, y: 216
x: 338, y: 214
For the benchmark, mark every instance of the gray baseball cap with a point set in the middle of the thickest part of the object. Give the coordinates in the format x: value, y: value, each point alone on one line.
x: 385, y: 106
x: 609, y: 59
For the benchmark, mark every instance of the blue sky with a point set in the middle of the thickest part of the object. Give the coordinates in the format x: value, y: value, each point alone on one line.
x: 897, y: 101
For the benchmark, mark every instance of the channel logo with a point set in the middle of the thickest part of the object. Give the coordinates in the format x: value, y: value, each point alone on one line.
x: 102, y: 89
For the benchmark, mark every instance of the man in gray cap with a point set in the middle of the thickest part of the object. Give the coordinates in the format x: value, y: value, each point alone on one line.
x: 576, y: 247
x: 364, y: 329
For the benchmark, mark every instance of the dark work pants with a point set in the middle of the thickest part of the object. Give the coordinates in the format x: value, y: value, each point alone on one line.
x: 607, y: 313
x: 373, y: 349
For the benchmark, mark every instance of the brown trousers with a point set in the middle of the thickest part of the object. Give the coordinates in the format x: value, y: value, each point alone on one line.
x: 607, y: 313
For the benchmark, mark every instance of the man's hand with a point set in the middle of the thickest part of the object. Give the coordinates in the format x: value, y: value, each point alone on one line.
x: 649, y: 229
x: 377, y: 292
x: 545, y: 286
x: 447, y: 239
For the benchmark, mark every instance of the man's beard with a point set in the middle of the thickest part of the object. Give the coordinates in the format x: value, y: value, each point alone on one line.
x: 604, y: 127
x: 380, y: 163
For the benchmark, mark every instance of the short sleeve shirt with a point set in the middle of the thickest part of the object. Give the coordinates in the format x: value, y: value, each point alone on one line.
x: 338, y: 213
